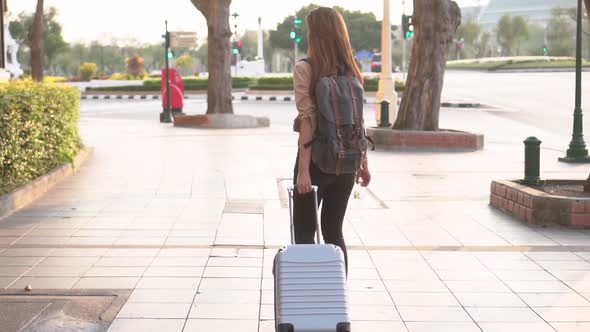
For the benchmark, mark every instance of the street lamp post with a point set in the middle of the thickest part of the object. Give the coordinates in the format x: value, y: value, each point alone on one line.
x: 2, y: 39
x: 386, y: 89
x: 577, y: 152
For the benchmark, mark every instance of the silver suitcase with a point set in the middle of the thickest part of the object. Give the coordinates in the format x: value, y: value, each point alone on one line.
x: 310, y: 285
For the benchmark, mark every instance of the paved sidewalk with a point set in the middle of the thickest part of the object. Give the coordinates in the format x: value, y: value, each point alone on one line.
x: 191, y: 220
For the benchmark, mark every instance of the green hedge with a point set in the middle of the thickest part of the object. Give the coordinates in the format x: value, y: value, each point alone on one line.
x: 284, y: 83
x: 372, y: 84
x: 238, y: 82
x: 38, y: 130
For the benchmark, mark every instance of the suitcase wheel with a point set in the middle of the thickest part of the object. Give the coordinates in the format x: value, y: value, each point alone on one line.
x: 285, y: 328
x: 343, y: 327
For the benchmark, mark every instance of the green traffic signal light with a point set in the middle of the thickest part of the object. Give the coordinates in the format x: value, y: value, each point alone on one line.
x: 409, y: 34
x: 235, y: 51
x: 297, y: 21
x: 170, y: 54
x: 292, y: 35
x: 298, y: 40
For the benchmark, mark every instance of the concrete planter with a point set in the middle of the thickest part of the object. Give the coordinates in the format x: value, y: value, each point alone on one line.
x: 437, y: 140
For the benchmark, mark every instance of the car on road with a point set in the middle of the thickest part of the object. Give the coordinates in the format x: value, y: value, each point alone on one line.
x: 376, y: 64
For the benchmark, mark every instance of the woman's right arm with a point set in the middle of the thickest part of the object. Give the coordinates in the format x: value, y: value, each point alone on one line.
x: 304, y: 124
x: 303, y: 178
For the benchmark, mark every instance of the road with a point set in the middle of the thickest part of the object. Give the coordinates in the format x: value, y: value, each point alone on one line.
x: 544, y: 100
x: 541, y: 100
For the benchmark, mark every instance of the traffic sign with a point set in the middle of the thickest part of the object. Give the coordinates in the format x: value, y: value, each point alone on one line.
x: 183, y: 39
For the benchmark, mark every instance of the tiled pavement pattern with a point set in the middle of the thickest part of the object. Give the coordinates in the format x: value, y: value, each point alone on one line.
x: 158, y: 210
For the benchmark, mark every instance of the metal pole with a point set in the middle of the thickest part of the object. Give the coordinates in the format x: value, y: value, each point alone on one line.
x: 577, y: 152
x: 296, y: 51
x: 404, y: 50
x: 2, y: 41
x: 168, y: 111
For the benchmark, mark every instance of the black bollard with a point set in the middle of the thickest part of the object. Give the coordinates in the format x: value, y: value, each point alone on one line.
x: 384, y: 114
x: 532, y: 161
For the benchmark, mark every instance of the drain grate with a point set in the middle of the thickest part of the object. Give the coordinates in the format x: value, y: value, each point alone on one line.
x: 63, y: 311
x: 244, y: 206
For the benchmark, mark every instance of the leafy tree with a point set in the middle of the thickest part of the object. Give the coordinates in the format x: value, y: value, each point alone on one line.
x: 202, y: 54
x: 363, y: 28
x: 573, y: 15
x: 534, y: 45
x: 483, y: 46
x: 561, y: 36
x: 135, y: 66
x: 52, y: 40
x: 470, y: 33
x: 511, y: 32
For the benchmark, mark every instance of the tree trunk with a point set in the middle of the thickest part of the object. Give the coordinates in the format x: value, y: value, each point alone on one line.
x: 36, y: 39
x: 435, y: 24
x: 587, y: 4
x: 219, y: 94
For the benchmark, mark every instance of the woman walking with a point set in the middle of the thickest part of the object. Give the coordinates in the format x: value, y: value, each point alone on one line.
x: 330, y: 127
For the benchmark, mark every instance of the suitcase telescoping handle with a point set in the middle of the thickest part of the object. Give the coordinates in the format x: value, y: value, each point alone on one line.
x: 314, y: 189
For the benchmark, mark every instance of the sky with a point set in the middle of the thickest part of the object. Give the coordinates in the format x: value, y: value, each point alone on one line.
x: 143, y: 20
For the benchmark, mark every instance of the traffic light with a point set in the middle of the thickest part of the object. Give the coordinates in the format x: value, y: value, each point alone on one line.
x: 545, y: 50
x: 407, y: 26
x: 237, y: 47
x: 296, y: 32
x: 170, y: 54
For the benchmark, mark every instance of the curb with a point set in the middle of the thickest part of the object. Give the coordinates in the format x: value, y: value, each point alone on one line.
x: 253, y: 98
x: 439, y: 141
x: 25, y: 195
x: 461, y: 105
x: 120, y: 97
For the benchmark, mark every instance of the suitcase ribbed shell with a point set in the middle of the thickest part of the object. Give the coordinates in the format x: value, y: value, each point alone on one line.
x: 310, y: 288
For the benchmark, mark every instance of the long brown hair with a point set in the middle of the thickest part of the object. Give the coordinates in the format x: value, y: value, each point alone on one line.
x: 329, y: 46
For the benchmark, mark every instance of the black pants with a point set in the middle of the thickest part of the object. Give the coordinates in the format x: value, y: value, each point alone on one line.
x: 334, y: 191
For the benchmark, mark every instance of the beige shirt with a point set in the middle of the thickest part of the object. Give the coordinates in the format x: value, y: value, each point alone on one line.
x: 303, y: 101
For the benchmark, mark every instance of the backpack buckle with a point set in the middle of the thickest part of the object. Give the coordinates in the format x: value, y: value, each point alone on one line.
x: 340, y: 155
x: 339, y: 133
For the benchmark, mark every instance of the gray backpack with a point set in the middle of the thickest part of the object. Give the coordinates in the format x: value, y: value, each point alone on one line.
x: 339, y: 144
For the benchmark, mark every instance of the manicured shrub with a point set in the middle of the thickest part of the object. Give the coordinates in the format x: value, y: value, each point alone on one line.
x: 87, y: 71
x: 38, y: 130
x: 135, y: 67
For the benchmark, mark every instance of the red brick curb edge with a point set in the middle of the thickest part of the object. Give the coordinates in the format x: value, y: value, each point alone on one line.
x: 537, y: 207
x: 23, y: 196
x: 442, y: 139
